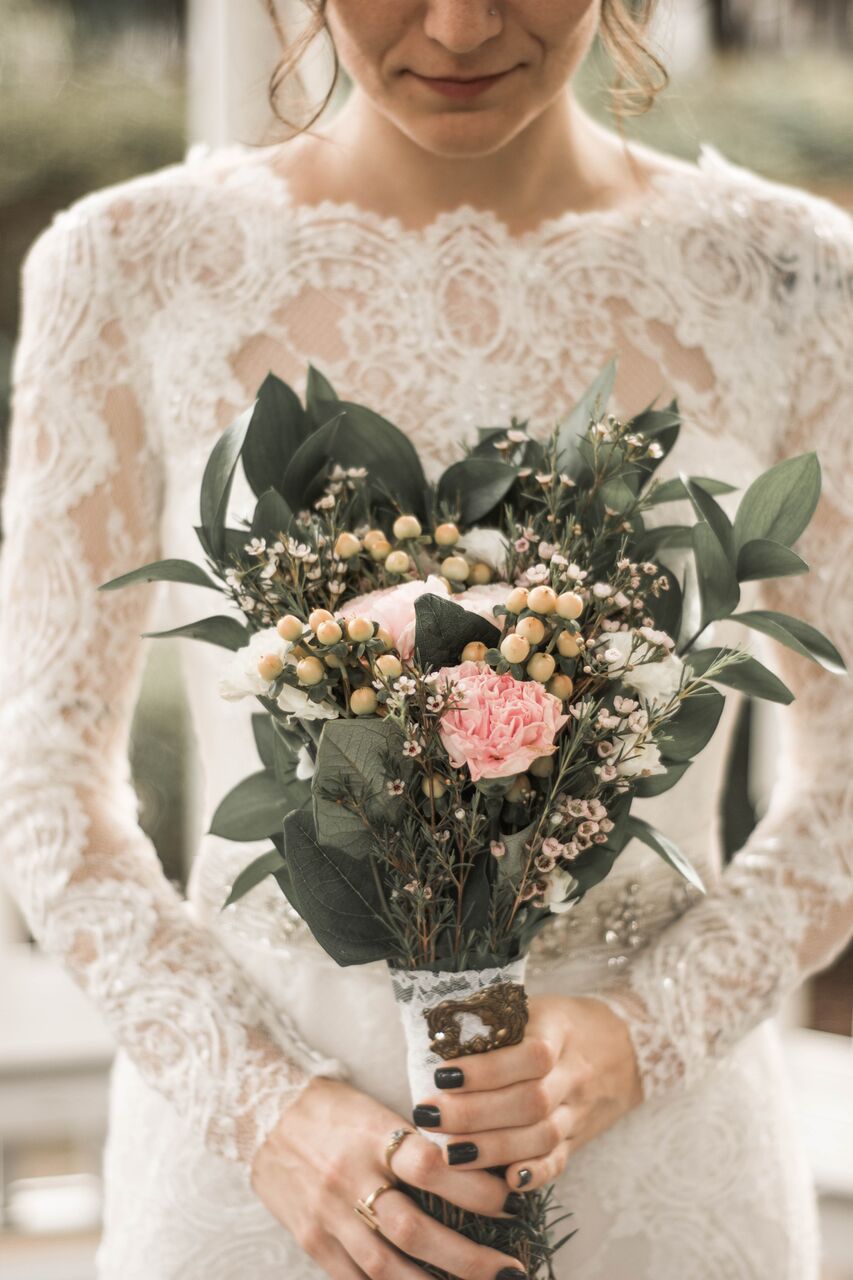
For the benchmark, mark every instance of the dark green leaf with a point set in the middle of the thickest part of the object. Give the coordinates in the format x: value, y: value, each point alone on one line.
x: 475, y: 486
x: 663, y: 846
x: 589, y: 408
x: 780, y: 503
x: 225, y: 632
x: 272, y: 515
x: 311, y: 460
x: 354, y: 757
x: 674, y: 490
x: 255, y: 808
x: 693, y: 727
x: 718, y: 588
x: 218, y: 478
x: 319, y: 396
x: 393, y: 466
x: 279, y: 425
x: 266, y: 865
x: 162, y: 571
x: 713, y: 514
x: 658, y: 783
x: 665, y: 535
x: 264, y: 733
x: 763, y: 558
x: 442, y: 630
x: 797, y: 635
x: 747, y: 675
x: 667, y: 608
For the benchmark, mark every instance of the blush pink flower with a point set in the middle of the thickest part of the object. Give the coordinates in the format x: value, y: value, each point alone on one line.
x: 500, y: 724
x: 394, y: 607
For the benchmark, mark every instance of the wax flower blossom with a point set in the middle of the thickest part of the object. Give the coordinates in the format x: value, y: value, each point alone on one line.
x: 498, y: 725
x: 635, y: 659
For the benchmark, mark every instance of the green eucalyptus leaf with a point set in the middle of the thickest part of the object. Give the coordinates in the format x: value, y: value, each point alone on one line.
x: 748, y: 675
x: 590, y: 407
x: 264, y: 734
x: 255, y: 808
x: 713, y: 514
x: 336, y: 895
x: 718, y: 588
x: 320, y: 396
x: 797, y: 635
x: 442, y: 630
x: 674, y: 490
x: 300, y: 483
x: 475, y: 486
x: 779, y: 504
x: 220, y: 630
x: 279, y: 425
x: 668, y: 607
x: 512, y: 864
x: 675, y: 536
x: 692, y: 727
x: 658, y: 783
x: 218, y: 478
x: 764, y: 558
x: 266, y: 865
x: 666, y: 849
x: 354, y: 758
x: 162, y: 571
x: 272, y: 515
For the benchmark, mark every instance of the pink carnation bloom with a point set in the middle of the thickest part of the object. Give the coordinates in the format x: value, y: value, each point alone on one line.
x: 502, y: 725
x: 394, y: 607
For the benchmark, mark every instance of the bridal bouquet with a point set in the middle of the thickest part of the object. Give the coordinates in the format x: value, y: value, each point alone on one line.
x: 466, y: 684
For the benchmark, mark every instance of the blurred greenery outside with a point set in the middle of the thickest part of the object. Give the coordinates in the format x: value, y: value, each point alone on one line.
x: 117, y: 108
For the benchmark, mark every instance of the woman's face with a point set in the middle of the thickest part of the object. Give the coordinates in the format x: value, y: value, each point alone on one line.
x: 411, y: 57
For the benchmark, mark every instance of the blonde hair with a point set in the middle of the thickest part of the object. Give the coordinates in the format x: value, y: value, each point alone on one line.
x: 624, y: 34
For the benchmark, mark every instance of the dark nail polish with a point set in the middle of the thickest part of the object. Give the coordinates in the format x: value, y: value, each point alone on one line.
x: 449, y: 1077
x: 524, y: 1176
x: 510, y: 1273
x: 462, y: 1152
x: 427, y: 1117
x: 513, y: 1203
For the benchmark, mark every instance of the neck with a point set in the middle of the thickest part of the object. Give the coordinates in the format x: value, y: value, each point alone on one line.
x: 562, y: 160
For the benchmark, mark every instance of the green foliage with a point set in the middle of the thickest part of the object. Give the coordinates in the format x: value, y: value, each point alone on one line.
x: 266, y: 865
x: 353, y: 762
x: 746, y: 674
x: 639, y: 829
x: 217, y: 481
x: 475, y: 486
x: 162, y: 571
x: 228, y: 633
x: 780, y: 502
x: 255, y: 808
x: 800, y: 636
x: 442, y: 630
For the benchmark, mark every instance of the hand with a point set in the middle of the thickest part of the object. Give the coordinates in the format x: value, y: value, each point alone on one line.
x: 529, y: 1106
x: 327, y: 1151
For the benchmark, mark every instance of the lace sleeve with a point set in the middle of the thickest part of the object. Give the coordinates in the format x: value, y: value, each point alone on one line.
x: 81, y: 505
x: 784, y: 907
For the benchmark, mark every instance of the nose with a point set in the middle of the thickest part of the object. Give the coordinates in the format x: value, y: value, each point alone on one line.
x: 462, y: 26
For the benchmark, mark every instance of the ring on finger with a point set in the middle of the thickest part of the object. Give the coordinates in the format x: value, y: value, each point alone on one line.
x: 364, y: 1208
x: 394, y: 1142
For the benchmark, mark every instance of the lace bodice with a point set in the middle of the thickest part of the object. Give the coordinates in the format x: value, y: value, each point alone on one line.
x: 152, y: 311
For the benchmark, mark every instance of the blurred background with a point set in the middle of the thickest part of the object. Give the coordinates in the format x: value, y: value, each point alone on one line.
x: 95, y: 91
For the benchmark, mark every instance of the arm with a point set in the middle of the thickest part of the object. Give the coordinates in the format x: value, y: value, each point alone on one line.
x: 81, y: 505
x: 784, y: 906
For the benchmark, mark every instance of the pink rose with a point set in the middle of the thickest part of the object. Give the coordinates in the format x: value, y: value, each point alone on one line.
x: 394, y: 607
x: 483, y: 599
x: 498, y: 724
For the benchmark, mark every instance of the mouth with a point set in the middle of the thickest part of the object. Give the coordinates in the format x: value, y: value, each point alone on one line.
x: 461, y: 86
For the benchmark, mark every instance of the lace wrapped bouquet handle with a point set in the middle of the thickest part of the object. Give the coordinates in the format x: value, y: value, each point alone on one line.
x: 463, y: 686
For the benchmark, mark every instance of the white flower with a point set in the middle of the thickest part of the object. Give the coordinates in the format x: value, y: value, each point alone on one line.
x: 294, y: 702
x: 657, y: 683
x: 638, y: 762
x: 560, y: 885
x: 488, y: 546
x: 304, y: 765
x: 240, y: 679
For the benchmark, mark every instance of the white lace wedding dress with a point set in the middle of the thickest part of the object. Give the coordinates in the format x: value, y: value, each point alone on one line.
x: 152, y: 311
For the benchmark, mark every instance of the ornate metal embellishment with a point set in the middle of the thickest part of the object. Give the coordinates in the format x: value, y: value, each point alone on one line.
x: 501, y: 1007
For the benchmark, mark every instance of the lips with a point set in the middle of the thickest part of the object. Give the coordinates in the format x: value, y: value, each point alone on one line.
x: 457, y: 87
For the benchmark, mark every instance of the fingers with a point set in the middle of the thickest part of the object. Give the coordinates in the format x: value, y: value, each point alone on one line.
x: 535, y: 1056
x: 370, y: 1254
x: 337, y: 1262
x: 413, y: 1233
x: 421, y: 1163
x: 525, y: 1103
x: 530, y: 1175
x: 507, y: 1146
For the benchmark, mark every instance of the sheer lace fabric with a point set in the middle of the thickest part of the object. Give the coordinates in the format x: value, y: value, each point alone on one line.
x: 152, y: 312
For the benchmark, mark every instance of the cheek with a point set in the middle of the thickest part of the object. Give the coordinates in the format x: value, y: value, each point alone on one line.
x: 565, y: 30
x: 365, y: 32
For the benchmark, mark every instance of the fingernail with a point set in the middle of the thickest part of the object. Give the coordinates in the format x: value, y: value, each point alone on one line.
x: 524, y: 1176
x: 462, y: 1152
x: 510, y: 1273
x: 427, y: 1117
x: 513, y: 1203
x: 449, y: 1077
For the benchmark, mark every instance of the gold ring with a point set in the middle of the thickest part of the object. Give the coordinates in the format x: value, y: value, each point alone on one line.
x: 365, y: 1210
x: 393, y: 1143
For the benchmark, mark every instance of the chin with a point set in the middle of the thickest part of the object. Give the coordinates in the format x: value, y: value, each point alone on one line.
x: 463, y: 134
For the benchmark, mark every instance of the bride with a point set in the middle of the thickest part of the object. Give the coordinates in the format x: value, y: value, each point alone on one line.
x: 460, y: 244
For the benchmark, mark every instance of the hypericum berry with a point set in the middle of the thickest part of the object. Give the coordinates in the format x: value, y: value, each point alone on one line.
x: 532, y: 629
x: 569, y: 605
x: 347, y: 546
x: 310, y: 671
x: 333, y: 661
x: 385, y: 636
x: 432, y: 786
x: 481, y: 573
x: 515, y: 648
x: 517, y: 600
x: 363, y: 702
x: 542, y: 766
x: 567, y: 644
x: 520, y: 788
x: 542, y: 600
x: 270, y: 666
x: 562, y: 687
x: 398, y: 562
x: 456, y: 568
x: 359, y: 630
x: 373, y: 536
x: 317, y: 617
x: 379, y: 549
x: 406, y: 527
x: 289, y: 627
x: 329, y: 632
x: 446, y: 535
x: 541, y: 667
x: 390, y: 665
x: 474, y: 651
